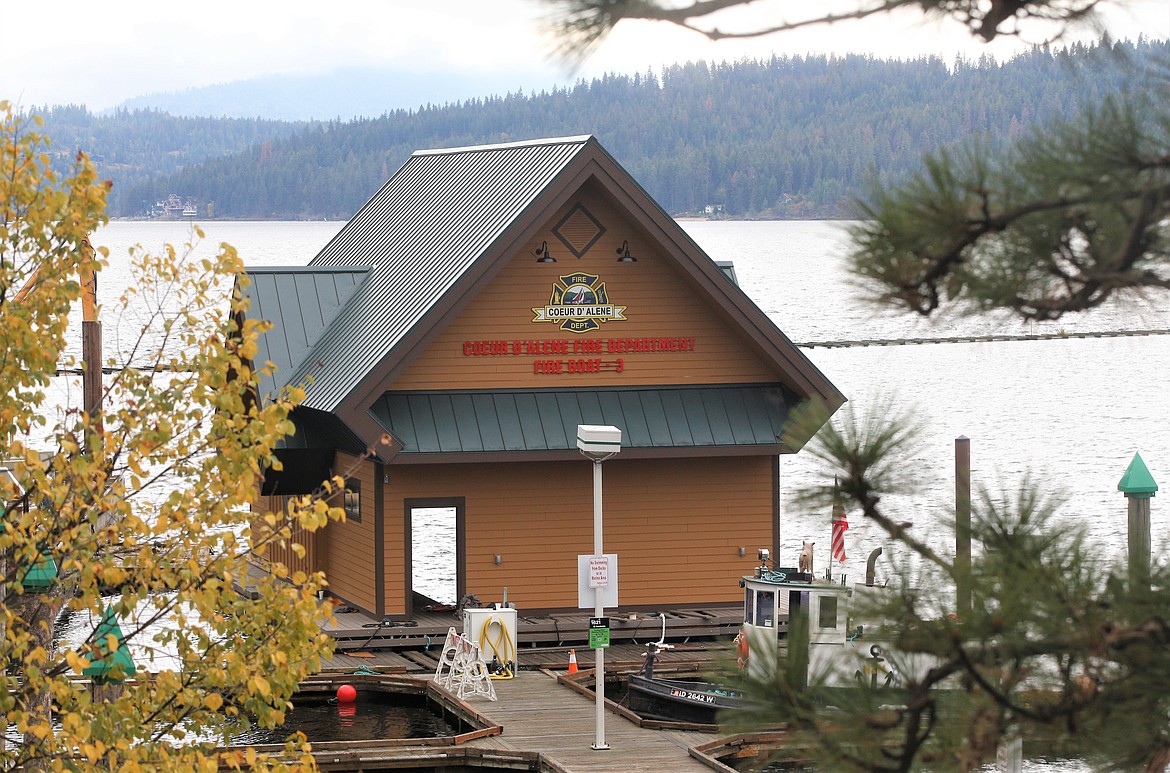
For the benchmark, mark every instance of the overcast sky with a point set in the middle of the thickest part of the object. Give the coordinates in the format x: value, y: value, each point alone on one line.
x: 99, y: 54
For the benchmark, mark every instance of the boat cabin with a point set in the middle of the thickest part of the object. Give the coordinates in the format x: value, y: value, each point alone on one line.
x: 826, y: 640
x: 454, y: 334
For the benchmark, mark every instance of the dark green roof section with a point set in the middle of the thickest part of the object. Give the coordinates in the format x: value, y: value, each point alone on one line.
x: 727, y: 268
x: 320, y: 430
x: 300, y: 303
x: 729, y: 416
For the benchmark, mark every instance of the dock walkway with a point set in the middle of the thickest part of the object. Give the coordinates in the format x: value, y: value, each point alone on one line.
x: 540, y: 715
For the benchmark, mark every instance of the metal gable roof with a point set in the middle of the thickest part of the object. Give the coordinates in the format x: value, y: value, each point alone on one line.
x: 420, y: 234
x: 440, y: 228
x: 300, y: 303
x: 728, y: 417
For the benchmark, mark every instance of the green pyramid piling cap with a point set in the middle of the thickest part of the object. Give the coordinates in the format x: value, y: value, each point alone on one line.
x: 1137, y: 482
x: 100, y: 669
x: 41, y: 574
x: 108, y: 625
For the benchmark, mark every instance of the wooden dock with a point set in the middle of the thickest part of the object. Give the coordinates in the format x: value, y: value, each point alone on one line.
x: 403, y: 646
x: 625, y: 656
x: 540, y: 715
x: 549, y: 724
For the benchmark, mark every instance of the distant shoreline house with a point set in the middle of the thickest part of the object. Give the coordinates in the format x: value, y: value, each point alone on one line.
x: 455, y: 332
x: 174, y: 207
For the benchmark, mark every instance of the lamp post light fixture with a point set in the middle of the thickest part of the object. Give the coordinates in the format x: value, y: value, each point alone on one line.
x: 598, y: 443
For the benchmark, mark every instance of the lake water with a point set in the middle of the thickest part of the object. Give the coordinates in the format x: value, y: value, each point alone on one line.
x: 1072, y: 412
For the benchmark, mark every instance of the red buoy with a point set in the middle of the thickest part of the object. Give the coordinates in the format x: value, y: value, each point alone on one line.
x: 346, y: 693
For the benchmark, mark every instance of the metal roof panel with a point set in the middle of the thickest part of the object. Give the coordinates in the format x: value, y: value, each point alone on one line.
x: 488, y: 421
x: 465, y: 421
x: 632, y: 421
x: 421, y: 233
x: 552, y: 421
x: 737, y: 416
x: 509, y: 418
x: 530, y: 425
x: 426, y: 436
x: 761, y: 417
x: 716, y: 414
x: 545, y: 420
x: 693, y: 409
x: 301, y: 303
x: 399, y: 416
x: 677, y: 421
x: 445, y: 427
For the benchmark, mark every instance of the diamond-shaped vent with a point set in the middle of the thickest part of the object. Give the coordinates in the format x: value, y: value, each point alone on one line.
x: 578, y: 230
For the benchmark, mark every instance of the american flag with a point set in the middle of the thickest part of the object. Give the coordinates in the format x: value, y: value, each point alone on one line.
x: 840, y: 524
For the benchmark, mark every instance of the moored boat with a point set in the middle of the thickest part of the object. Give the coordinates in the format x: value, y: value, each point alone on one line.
x: 678, y: 700
x: 828, y: 642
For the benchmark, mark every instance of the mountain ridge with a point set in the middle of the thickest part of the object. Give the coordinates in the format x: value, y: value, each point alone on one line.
x: 786, y: 137
x: 347, y: 93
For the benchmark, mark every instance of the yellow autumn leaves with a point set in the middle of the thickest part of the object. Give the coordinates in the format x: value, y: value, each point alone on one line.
x: 148, y: 520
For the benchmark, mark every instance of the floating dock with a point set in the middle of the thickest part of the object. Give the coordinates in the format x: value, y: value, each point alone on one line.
x: 542, y: 640
x: 540, y: 715
x: 548, y: 724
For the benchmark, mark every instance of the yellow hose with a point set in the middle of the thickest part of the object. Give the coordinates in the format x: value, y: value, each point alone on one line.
x: 505, y: 640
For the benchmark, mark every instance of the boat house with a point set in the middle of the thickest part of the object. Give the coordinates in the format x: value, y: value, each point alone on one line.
x: 453, y: 335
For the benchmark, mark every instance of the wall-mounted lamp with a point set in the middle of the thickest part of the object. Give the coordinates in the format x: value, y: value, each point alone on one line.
x: 499, y: 560
x: 542, y: 251
x: 624, y: 255
x: 742, y: 551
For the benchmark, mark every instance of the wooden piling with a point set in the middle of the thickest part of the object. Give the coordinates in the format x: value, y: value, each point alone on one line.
x: 963, y: 526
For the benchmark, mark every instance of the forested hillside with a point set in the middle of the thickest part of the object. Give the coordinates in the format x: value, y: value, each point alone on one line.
x: 790, y: 137
x: 137, y: 148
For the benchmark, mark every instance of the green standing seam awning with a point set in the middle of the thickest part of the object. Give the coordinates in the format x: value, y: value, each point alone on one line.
x: 546, y: 420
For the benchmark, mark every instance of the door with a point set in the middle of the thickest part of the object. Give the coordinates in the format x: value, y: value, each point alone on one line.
x: 434, y: 552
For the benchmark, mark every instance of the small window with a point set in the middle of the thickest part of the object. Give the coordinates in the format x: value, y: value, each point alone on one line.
x: 352, y: 501
x: 765, y: 608
x: 827, y: 616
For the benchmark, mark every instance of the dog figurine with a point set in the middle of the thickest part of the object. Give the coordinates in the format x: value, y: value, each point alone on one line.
x: 806, y: 558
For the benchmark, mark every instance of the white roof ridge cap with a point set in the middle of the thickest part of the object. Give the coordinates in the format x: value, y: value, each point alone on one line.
x: 580, y: 138
x: 306, y: 269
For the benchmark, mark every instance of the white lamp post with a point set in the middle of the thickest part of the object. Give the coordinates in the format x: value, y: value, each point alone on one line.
x: 598, y: 443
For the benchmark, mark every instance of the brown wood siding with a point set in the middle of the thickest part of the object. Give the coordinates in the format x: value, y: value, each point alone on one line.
x: 660, y: 302
x: 349, y: 551
x: 676, y: 525
x: 283, y: 553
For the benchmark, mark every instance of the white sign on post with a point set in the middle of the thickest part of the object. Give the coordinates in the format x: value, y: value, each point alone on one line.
x: 595, y: 572
x: 598, y: 571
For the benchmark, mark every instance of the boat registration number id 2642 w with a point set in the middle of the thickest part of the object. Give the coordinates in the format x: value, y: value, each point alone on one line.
x: 691, y: 696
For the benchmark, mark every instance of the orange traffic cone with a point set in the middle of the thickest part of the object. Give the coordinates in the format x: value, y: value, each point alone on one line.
x: 572, y: 661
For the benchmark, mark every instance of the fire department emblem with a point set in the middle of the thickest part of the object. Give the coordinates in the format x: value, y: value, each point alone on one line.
x: 579, y: 304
